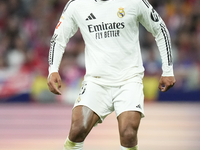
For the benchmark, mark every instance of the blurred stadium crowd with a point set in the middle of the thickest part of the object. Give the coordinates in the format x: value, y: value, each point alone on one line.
x: 26, y: 27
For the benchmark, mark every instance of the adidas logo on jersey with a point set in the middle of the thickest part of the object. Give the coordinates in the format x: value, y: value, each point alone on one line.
x: 90, y: 17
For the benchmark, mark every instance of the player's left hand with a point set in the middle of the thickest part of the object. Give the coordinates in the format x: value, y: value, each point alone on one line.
x: 166, y: 83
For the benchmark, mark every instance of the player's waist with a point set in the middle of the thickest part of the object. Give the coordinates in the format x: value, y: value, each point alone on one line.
x: 115, y: 79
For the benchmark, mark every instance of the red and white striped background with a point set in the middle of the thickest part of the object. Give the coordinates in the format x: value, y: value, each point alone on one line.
x: 174, y: 126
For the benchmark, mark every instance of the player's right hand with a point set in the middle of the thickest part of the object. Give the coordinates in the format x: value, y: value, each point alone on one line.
x: 54, y: 83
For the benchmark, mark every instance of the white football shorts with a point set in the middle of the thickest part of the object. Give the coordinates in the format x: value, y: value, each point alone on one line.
x: 103, y: 100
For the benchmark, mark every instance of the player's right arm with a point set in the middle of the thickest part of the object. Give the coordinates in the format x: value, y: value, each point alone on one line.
x: 64, y: 30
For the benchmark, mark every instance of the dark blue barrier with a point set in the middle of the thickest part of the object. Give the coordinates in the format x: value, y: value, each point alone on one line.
x: 179, y: 95
x: 23, y: 98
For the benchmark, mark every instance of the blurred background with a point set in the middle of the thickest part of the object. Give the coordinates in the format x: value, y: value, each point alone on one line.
x: 33, y: 118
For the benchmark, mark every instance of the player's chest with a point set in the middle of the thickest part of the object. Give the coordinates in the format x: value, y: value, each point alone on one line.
x: 108, y: 13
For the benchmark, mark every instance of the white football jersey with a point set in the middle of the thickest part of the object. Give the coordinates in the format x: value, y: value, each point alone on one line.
x: 110, y: 30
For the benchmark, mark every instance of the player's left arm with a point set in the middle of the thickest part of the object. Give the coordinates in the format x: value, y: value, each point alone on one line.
x: 152, y: 21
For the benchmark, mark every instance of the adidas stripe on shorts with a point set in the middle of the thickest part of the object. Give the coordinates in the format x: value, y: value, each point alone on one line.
x: 103, y: 100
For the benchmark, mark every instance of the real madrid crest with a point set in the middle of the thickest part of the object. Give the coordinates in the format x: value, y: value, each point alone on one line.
x: 121, y: 12
x: 78, y: 100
